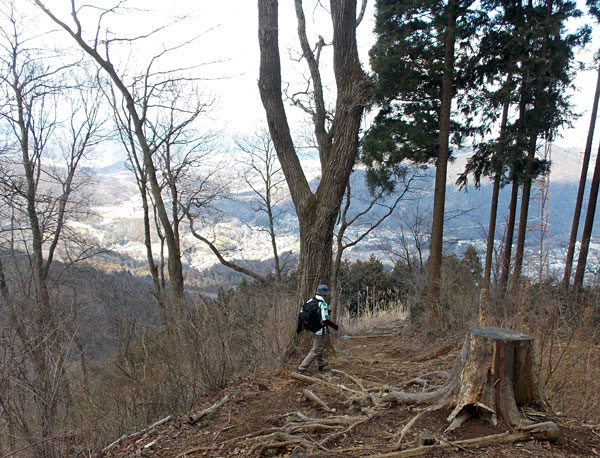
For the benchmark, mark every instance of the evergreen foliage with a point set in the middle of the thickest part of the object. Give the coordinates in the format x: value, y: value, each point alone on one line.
x: 408, y: 66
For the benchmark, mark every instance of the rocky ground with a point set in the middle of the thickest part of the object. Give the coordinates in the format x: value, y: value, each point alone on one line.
x: 340, y: 413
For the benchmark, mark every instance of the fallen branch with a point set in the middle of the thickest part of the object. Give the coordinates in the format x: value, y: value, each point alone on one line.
x: 310, y: 427
x: 196, y: 417
x: 365, y: 393
x: 410, y: 424
x: 281, y: 439
x: 334, y: 420
x: 204, y: 448
x: 354, y: 379
x: 136, y: 434
x: 403, y: 397
x: 420, y: 380
x: 349, y: 428
x: 546, y: 431
x: 337, y: 451
x: 310, y: 396
x: 370, y: 336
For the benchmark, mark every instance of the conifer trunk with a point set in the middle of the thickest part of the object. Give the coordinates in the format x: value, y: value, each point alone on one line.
x: 587, y: 227
x: 439, y: 200
x: 581, y: 189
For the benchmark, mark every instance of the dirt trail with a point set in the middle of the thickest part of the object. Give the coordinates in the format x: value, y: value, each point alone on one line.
x: 269, y: 414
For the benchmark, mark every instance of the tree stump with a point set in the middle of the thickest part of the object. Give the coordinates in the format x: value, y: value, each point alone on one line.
x: 497, y: 377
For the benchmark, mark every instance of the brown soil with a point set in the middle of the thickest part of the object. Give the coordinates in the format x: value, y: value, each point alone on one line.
x: 265, y: 403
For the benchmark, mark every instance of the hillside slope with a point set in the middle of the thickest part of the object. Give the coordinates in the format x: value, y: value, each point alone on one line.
x: 268, y: 414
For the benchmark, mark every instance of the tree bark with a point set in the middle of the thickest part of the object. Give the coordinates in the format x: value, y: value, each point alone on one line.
x: 437, y: 227
x: 498, y: 376
x: 525, y: 197
x: 533, y: 136
x: 581, y: 189
x: 587, y: 227
x: 492, y: 377
x: 316, y: 212
x: 487, y: 272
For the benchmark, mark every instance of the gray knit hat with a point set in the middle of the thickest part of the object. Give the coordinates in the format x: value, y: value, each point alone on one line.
x: 323, y: 290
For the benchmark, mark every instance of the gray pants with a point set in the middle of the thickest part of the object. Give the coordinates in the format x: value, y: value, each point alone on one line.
x: 316, y: 352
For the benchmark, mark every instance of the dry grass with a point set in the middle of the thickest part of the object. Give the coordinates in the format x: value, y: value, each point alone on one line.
x: 567, y: 345
x: 378, y: 316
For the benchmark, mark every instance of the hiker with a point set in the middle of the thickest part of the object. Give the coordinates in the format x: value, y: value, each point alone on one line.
x: 317, y: 325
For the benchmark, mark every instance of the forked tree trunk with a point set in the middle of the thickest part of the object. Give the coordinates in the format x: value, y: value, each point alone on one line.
x: 498, y: 376
x: 317, y: 211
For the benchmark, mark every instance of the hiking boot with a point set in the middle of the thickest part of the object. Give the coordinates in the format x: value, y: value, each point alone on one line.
x: 323, y: 365
x: 303, y: 372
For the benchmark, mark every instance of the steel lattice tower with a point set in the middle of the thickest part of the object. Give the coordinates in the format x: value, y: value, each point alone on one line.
x: 539, y: 222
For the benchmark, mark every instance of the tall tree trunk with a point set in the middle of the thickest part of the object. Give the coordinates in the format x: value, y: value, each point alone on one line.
x: 272, y: 235
x: 437, y: 227
x: 154, y: 273
x: 489, y: 250
x: 581, y: 190
x: 587, y: 227
x: 316, y: 240
x: 487, y: 272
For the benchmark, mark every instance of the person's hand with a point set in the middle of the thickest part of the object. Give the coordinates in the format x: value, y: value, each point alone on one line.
x: 298, y: 330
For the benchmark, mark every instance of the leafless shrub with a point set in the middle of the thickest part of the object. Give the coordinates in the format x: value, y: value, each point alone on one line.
x: 156, y: 373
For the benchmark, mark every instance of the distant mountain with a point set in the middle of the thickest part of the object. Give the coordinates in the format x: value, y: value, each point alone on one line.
x: 115, y: 218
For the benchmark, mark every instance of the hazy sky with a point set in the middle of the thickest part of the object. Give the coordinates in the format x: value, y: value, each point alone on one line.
x: 235, y: 39
x: 229, y: 40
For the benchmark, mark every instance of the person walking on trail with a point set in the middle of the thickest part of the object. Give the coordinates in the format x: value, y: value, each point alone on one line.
x: 314, y: 317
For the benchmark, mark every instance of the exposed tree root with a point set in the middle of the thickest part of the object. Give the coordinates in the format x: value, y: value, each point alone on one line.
x: 354, y: 379
x: 281, y: 439
x: 442, y: 395
x: 350, y: 428
x: 410, y: 424
x: 477, y: 366
x: 545, y: 431
x: 304, y: 378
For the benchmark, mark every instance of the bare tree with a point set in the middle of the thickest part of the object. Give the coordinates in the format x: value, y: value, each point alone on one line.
x: 364, y: 209
x: 52, y: 120
x: 263, y: 175
x: 179, y: 148
x: 137, y: 106
x: 336, y: 134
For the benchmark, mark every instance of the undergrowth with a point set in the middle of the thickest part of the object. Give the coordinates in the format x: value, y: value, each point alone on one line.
x: 171, y: 371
